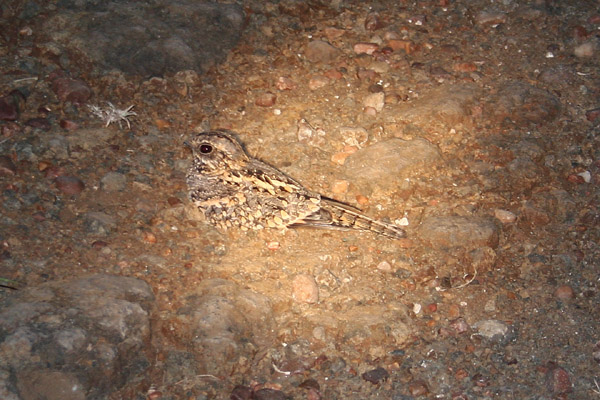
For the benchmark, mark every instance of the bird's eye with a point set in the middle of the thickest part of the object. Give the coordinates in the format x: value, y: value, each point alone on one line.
x: 205, y: 148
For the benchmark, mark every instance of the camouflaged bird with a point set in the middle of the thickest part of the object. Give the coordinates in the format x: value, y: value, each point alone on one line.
x: 233, y: 189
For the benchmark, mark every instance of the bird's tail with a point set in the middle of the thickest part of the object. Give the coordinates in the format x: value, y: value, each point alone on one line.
x: 336, y: 215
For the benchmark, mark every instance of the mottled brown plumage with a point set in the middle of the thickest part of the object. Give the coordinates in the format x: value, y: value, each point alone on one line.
x: 233, y: 189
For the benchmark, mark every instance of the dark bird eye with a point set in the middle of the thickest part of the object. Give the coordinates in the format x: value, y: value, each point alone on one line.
x: 205, y: 148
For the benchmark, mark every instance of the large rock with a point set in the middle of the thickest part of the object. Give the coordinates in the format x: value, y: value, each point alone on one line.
x: 521, y: 103
x: 77, y: 339
x: 221, y: 324
x: 149, y: 38
x: 447, y: 105
x: 385, y: 163
x: 458, y: 231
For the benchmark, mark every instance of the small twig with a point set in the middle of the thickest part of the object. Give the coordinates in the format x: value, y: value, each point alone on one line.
x: 440, y: 289
x: 280, y: 371
x: 597, y: 387
x: 468, y: 282
x: 197, y: 376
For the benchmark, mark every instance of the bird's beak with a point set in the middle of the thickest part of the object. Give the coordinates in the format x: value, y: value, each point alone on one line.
x: 188, y: 144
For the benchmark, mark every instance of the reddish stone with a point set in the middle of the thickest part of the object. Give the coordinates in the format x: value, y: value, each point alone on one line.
x: 558, y: 380
x: 266, y: 100
x: 285, y: 83
x: 564, y: 292
x: 73, y: 90
x: 69, y: 184
x: 592, y: 115
x: 8, y: 110
x: 465, y: 67
x: 7, y: 166
x: 418, y: 388
x: 39, y: 123
x: 397, y: 44
x: 580, y: 33
x: 365, y: 48
x: 333, y: 74
x: 68, y: 125
x: 373, y: 22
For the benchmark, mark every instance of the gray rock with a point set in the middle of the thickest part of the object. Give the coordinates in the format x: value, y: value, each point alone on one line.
x: 447, y: 105
x: 50, y: 385
x: 74, y: 339
x: 320, y: 51
x: 113, y: 182
x: 455, y: 231
x: 226, y: 323
x: 386, y: 163
x: 99, y: 223
x: 58, y: 147
x: 88, y: 139
x: 494, y: 330
x: 149, y: 38
x: 522, y: 103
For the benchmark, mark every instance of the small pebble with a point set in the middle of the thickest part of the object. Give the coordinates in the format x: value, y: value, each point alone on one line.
x: 69, y: 184
x: 99, y: 244
x: 317, y: 82
x: 585, y: 50
x: 367, y: 74
x: 8, y: 110
x: 149, y: 237
x: 340, y: 186
x: 113, y: 182
x: 596, y: 352
x: 273, y: 246
x: 339, y: 158
x: 269, y: 394
x: 241, y: 393
x: 453, y: 311
x: 376, y: 375
x: 384, y: 266
x: 490, y: 328
x: 370, y: 111
x: 373, y: 22
x: 73, y: 90
x: 375, y: 101
x: 365, y: 48
x: 173, y: 201
x: 405, y: 45
x: 586, y: 175
x: 39, y: 123
x: 333, y: 74
x: 418, y: 388
x: 558, y: 380
x: 592, y: 115
x: 333, y: 33
x: 305, y: 289
x: 362, y: 200
x: 504, y: 216
x: 321, y: 51
x: 266, y: 100
x: 464, y: 67
x: 459, y: 325
x: 492, y: 18
x: 51, y: 171
x: 431, y: 308
x: 7, y: 166
x: 68, y: 125
x: 564, y: 292
x: 285, y: 83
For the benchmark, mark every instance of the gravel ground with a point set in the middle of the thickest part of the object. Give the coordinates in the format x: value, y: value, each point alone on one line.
x: 473, y: 124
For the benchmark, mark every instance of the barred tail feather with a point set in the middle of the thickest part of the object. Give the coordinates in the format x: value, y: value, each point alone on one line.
x: 336, y: 215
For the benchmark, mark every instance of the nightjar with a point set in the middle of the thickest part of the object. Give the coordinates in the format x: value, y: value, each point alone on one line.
x: 233, y: 189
